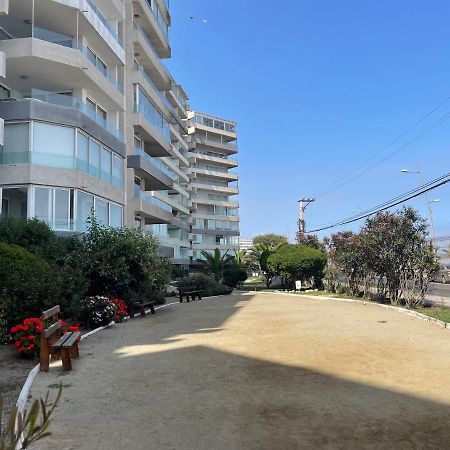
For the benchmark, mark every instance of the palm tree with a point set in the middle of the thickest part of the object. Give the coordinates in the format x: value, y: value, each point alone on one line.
x: 242, y: 258
x: 216, y: 262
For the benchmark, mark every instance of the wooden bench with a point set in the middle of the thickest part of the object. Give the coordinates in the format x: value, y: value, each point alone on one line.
x: 141, y: 305
x: 54, y: 343
x: 189, y: 291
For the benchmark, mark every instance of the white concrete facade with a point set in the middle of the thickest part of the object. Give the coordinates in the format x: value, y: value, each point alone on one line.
x: 94, y: 121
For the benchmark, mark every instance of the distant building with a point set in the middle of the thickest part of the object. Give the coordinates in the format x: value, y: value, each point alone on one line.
x: 245, y: 244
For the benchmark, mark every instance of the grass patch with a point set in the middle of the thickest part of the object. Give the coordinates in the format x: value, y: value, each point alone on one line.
x: 438, y: 313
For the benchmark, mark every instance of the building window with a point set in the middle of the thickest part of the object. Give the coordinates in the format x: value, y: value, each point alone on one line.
x: 85, y: 205
x: 53, y: 206
x: 14, y: 203
x: 115, y: 216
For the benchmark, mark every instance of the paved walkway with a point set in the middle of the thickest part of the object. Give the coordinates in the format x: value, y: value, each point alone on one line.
x: 258, y: 372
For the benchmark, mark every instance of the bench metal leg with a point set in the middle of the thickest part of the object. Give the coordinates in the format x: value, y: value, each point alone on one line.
x: 181, y: 299
x: 66, y: 359
x: 152, y: 308
x: 142, y: 310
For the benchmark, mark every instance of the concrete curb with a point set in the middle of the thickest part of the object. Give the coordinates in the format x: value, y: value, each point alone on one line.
x: 408, y: 312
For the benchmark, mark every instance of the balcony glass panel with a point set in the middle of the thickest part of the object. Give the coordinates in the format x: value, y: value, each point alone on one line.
x: 146, y: 107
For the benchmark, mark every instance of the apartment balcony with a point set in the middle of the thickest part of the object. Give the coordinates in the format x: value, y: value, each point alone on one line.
x: 225, y: 190
x: 155, y: 23
x: 182, y: 225
x: 207, y: 216
x: 216, y: 125
x: 225, y: 162
x: 195, y: 172
x: 53, y: 67
x: 63, y: 109
x: 212, y: 247
x: 196, y: 200
x: 174, y: 202
x: 215, y: 232
x: 216, y: 143
x: 150, y: 208
x: 71, y: 18
x: 179, y: 99
x: 141, y: 77
x: 151, y: 131
x: 149, y: 168
x: 149, y: 59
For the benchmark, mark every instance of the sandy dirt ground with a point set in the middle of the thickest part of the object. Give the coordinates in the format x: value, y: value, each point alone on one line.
x: 13, y: 373
x: 257, y: 371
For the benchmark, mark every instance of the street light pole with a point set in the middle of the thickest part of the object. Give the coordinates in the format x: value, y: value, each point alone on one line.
x: 303, y: 203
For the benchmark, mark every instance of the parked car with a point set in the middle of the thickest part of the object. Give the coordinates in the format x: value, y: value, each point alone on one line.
x: 443, y: 276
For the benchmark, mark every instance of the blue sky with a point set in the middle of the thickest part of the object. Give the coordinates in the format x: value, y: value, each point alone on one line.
x: 317, y: 87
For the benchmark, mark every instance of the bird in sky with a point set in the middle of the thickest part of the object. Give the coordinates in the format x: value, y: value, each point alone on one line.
x: 194, y: 18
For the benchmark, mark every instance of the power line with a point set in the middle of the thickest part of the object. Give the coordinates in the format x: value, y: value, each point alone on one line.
x: 340, y: 181
x: 391, y: 203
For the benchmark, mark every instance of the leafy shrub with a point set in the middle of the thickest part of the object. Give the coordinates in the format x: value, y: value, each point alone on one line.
x: 98, y: 311
x: 233, y: 275
x: 207, y: 284
x: 123, y: 263
x: 27, y: 285
x: 298, y: 262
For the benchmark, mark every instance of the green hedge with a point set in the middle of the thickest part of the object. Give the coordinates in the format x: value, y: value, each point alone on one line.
x: 207, y: 284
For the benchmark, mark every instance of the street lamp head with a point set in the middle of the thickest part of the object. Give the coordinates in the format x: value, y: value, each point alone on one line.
x: 405, y: 171
x: 436, y: 200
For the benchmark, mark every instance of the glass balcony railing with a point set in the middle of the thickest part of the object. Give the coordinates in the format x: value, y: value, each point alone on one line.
x: 138, y: 68
x: 105, y: 22
x: 155, y: 162
x: 137, y: 27
x: 138, y: 194
x: 177, y: 92
x: 159, y: 16
x: 146, y: 107
x: 59, y: 162
x: 68, y: 41
x: 72, y: 102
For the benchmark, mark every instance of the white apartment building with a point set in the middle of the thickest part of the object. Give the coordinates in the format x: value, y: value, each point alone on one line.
x: 213, y: 186
x: 245, y: 244
x: 95, y: 122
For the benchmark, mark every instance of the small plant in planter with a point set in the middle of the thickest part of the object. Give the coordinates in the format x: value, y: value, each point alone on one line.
x: 121, y: 309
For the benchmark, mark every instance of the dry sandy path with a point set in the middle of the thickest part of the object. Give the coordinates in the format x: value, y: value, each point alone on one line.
x: 257, y: 371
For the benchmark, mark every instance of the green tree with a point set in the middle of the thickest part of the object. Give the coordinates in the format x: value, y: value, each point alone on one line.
x: 297, y: 262
x: 310, y: 240
x: 123, y: 262
x: 270, y: 240
x: 397, y: 248
x: 215, y: 263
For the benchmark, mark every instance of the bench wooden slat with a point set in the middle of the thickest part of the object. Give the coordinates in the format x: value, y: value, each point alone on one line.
x: 72, y: 339
x: 52, y: 329
x: 50, y: 312
x: 61, y: 341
